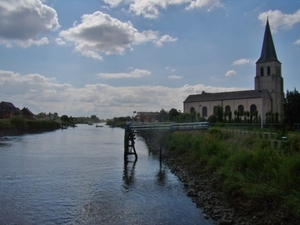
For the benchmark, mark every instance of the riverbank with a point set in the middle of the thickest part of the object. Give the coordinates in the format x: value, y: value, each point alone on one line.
x: 19, y: 125
x: 206, y: 188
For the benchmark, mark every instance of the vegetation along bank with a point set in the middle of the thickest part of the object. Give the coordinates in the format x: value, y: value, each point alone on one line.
x: 19, y: 125
x: 237, y: 180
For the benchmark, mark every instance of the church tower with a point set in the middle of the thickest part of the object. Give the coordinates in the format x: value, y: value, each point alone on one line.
x: 268, y: 72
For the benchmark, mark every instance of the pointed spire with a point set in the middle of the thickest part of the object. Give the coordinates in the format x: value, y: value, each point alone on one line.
x: 268, y: 52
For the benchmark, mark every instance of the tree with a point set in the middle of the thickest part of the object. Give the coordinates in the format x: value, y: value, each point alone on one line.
x: 164, y: 116
x: 291, y: 107
x: 219, y: 114
x: 64, y: 119
x: 173, y: 113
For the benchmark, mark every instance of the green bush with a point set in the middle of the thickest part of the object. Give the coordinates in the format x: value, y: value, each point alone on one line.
x: 292, y: 144
x: 18, y: 122
x: 5, y: 125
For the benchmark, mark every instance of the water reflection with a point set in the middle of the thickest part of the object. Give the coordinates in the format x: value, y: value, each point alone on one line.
x: 161, y: 177
x: 62, y: 178
x: 128, y: 173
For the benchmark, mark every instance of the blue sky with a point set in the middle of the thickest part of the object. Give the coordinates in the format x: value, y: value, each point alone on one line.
x: 112, y: 57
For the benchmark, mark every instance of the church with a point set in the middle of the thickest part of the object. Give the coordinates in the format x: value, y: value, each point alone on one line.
x: 266, y: 97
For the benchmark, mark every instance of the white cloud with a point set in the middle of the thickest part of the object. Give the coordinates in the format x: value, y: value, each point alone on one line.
x: 99, y: 32
x: 170, y: 69
x: 134, y: 74
x: 113, y: 3
x: 175, y: 77
x: 150, y: 9
x: 297, y: 42
x: 241, y: 62
x: 24, y: 22
x: 165, y: 38
x: 92, y: 54
x: 60, y: 41
x: 279, y: 20
x: 41, y: 94
x: 204, y: 3
x: 230, y: 73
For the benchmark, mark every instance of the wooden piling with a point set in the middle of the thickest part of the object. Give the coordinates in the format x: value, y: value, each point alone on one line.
x: 129, y: 143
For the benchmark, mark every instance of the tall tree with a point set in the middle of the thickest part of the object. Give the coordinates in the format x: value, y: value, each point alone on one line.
x: 292, y: 107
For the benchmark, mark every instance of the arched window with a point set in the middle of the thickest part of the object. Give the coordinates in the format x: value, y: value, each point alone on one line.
x: 253, y: 108
x: 261, y: 71
x: 227, y: 109
x: 241, y: 109
x: 192, y: 109
x: 268, y: 71
x: 204, y: 111
x: 215, y: 110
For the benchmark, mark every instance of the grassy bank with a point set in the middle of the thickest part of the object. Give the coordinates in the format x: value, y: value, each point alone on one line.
x: 23, y: 125
x: 246, y: 166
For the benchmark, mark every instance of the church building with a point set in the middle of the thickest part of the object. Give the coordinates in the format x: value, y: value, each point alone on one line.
x: 266, y: 97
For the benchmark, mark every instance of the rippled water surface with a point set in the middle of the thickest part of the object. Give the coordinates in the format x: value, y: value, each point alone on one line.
x: 78, y: 176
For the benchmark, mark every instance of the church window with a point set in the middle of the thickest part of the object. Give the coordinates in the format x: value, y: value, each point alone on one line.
x: 253, y: 108
x: 241, y: 109
x: 204, y: 111
x: 192, y: 109
x: 268, y: 71
x: 261, y: 71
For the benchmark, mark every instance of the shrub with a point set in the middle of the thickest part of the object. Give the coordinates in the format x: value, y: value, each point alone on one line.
x: 18, y: 122
x: 292, y: 144
x: 5, y: 125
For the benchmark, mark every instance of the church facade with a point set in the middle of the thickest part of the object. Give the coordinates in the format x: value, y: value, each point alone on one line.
x: 266, y: 97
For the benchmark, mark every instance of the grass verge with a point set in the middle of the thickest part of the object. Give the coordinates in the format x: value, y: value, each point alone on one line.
x: 246, y: 165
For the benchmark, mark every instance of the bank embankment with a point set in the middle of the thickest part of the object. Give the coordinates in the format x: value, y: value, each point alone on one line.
x: 236, y: 180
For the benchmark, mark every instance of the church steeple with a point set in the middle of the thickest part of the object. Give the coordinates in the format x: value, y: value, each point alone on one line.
x: 268, y: 52
x: 268, y: 72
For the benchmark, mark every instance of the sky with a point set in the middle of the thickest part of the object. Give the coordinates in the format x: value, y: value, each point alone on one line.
x: 110, y: 58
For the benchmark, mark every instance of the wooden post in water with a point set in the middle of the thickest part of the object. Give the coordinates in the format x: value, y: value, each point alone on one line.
x: 129, y: 148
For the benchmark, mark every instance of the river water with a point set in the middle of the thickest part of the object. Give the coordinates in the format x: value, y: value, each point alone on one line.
x: 78, y: 176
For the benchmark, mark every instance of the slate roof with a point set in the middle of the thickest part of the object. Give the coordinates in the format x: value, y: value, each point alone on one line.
x: 268, y: 52
x: 203, y: 97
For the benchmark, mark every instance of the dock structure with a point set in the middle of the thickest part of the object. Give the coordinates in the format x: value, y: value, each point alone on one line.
x: 133, y: 128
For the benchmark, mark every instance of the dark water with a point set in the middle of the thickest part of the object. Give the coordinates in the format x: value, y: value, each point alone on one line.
x: 78, y: 176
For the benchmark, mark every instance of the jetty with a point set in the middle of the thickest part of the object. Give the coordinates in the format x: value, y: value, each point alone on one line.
x: 132, y: 128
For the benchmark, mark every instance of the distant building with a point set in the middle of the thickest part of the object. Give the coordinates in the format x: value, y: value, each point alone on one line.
x: 27, y: 114
x: 266, y: 97
x: 147, y: 117
x: 7, y: 110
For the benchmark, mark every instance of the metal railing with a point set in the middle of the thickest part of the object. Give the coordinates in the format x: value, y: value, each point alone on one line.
x: 168, y: 126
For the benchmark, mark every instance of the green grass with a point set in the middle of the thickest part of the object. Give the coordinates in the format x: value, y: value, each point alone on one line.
x: 246, y: 165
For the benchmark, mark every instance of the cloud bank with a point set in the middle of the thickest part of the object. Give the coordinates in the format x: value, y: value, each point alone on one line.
x: 41, y: 94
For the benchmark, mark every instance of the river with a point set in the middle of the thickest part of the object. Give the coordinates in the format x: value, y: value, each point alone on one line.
x: 78, y: 176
